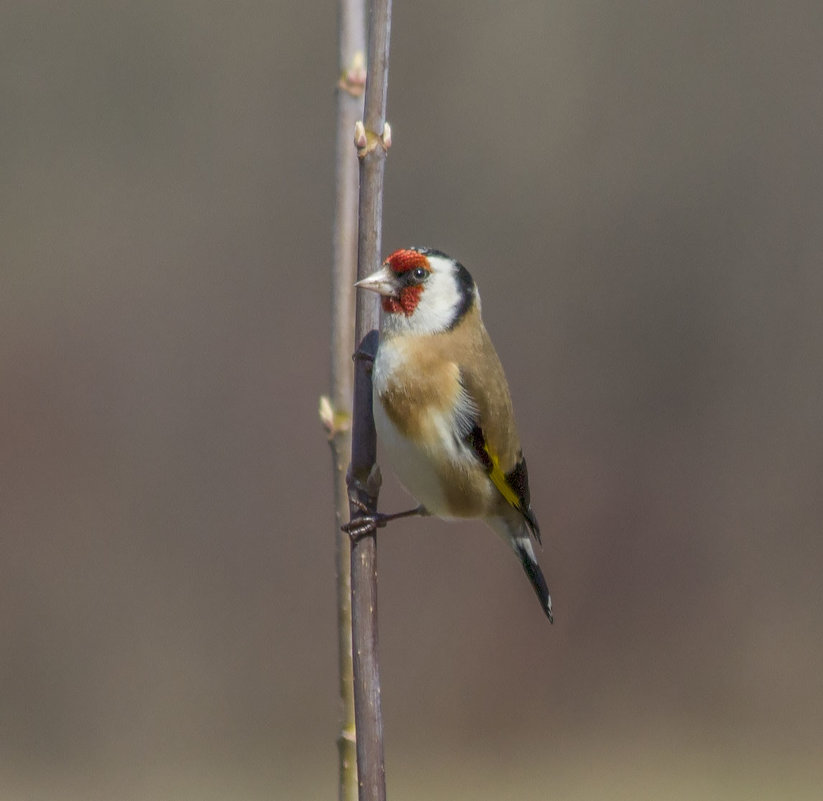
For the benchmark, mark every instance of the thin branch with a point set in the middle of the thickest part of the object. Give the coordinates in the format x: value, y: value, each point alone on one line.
x: 372, y: 139
x: 335, y: 409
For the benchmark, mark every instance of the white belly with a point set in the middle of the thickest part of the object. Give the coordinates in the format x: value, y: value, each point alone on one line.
x: 412, y: 464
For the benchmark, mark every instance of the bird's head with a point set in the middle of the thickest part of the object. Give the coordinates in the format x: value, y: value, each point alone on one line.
x: 422, y: 291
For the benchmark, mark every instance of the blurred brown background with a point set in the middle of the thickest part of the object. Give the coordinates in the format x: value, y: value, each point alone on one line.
x: 638, y: 190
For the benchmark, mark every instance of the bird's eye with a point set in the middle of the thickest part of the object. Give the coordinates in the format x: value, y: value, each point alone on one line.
x: 419, y: 273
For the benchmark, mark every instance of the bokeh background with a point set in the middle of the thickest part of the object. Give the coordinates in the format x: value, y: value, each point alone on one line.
x: 638, y: 190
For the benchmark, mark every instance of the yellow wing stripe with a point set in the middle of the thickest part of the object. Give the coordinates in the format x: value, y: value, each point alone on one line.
x: 499, y: 480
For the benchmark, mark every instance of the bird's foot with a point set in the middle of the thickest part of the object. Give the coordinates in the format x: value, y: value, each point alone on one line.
x: 363, y: 497
x: 362, y: 356
x: 364, y: 524
x: 358, y: 489
x: 369, y: 522
x: 367, y: 350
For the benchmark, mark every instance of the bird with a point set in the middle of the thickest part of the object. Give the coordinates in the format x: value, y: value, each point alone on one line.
x: 442, y: 407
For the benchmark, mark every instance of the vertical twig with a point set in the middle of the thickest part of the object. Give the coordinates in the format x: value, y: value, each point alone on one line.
x: 335, y: 409
x: 372, y: 140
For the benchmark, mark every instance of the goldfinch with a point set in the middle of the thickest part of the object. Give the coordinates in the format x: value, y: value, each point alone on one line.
x: 442, y: 408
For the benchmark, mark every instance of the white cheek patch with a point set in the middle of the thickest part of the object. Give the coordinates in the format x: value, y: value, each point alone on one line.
x: 439, y: 302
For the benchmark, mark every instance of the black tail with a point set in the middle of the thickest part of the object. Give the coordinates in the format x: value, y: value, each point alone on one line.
x: 535, y: 574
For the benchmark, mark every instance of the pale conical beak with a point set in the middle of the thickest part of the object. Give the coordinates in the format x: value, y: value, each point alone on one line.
x: 382, y: 281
